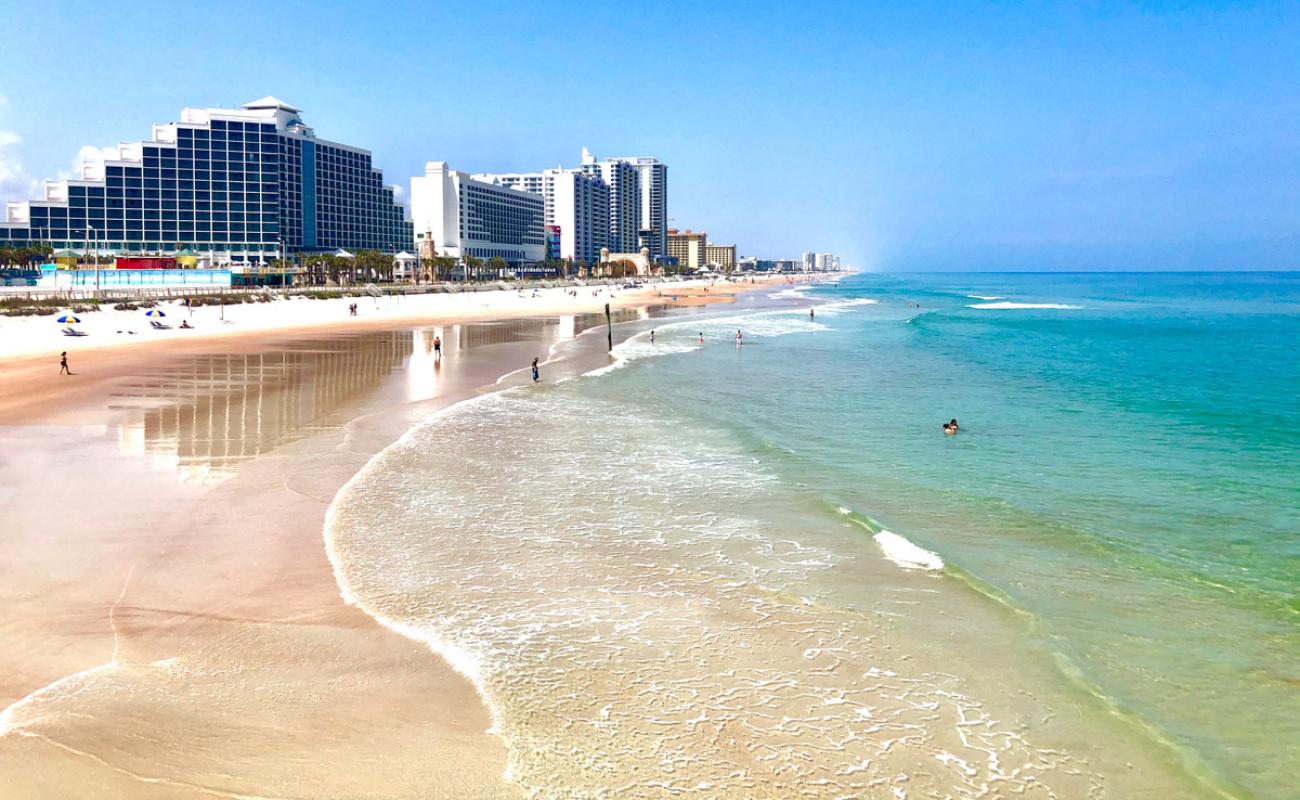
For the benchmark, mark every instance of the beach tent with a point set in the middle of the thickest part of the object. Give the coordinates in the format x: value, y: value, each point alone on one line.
x: 341, y: 253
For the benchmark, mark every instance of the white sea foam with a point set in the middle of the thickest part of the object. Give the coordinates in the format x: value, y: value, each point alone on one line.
x: 840, y: 306
x: 684, y: 336
x: 639, y: 346
x: 620, y: 604
x: 1009, y: 306
x: 906, y: 554
x: 795, y: 292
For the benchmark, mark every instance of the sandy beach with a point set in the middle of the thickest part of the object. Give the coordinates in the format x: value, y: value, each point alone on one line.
x: 172, y: 623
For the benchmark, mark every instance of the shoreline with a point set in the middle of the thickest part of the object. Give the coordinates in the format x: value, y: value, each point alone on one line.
x: 200, y: 589
x: 30, y: 346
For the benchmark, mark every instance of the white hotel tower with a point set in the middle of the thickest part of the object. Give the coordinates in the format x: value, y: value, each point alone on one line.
x: 456, y: 215
x: 576, y: 202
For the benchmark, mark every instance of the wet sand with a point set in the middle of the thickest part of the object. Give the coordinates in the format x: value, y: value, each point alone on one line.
x: 172, y: 624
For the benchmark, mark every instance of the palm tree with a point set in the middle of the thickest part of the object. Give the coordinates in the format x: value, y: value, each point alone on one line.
x: 472, y: 266
x: 498, y: 265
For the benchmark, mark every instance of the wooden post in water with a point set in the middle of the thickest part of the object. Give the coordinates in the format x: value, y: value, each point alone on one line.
x: 609, y: 326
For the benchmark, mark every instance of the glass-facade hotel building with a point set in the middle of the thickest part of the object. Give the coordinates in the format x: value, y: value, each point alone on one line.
x: 236, y: 185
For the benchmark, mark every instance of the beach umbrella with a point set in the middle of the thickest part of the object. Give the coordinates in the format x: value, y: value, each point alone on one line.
x: 154, y: 312
x: 68, y: 319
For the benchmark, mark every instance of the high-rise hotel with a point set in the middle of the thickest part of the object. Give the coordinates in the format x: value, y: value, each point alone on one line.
x: 576, y: 203
x: 238, y: 185
x: 458, y: 215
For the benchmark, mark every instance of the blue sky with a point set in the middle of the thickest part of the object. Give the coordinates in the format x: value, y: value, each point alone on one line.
x: 903, y: 137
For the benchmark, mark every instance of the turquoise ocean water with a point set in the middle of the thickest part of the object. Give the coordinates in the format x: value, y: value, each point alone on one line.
x: 685, y: 577
x: 1128, y: 470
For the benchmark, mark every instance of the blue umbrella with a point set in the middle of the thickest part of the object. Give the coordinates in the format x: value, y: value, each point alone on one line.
x: 153, y: 312
x: 68, y: 319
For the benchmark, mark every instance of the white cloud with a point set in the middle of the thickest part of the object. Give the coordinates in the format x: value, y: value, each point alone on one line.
x: 15, y: 183
x: 91, y: 155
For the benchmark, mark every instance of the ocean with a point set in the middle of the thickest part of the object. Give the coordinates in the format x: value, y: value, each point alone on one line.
x: 714, y: 569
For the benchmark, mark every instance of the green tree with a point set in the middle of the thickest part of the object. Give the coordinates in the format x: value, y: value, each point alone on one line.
x: 472, y: 267
x: 498, y: 265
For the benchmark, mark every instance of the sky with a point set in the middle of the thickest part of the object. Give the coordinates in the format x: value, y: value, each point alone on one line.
x: 956, y: 136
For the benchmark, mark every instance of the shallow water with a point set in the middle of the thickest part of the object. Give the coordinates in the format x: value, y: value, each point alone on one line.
x: 674, y: 575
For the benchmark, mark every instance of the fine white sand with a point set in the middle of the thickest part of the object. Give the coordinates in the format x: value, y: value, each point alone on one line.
x: 40, y: 335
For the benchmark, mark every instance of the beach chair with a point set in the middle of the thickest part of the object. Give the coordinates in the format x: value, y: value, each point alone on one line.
x: 158, y: 326
x: 73, y: 332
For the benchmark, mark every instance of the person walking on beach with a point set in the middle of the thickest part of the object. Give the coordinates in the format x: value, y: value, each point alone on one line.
x: 652, y: 337
x: 63, y: 364
x: 738, y: 337
x: 537, y: 376
x: 437, y: 348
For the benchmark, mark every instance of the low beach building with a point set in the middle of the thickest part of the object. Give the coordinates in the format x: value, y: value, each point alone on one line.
x: 721, y: 257
x: 458, y: 216
x: 690, y: 248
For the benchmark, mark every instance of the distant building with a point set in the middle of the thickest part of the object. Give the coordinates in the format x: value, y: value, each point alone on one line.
x: 455, y: 215
x: 809, y: 262
x: 652, y: 176
x: 721, y: 256
x: 240, y: 185
x: 690, y: 248
x: 553, y: 240
x: 575, y: 201
x: 825, y: 262
x: 624, y: 182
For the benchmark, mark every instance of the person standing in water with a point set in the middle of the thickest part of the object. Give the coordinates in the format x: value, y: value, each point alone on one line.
x: 812, y: 313
x: 652, y: 337
x: 63, y: 364
x: 537, y: 376
x: 738, y: 337
x: 701, y: 337
x: 950, y: 428
x: 437, y: 348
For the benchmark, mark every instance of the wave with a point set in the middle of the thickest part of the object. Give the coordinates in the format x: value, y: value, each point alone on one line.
x: 985, y: 296
x: 685, y: 336
x: 564, y: 600
x: 637, y: 347
x: 897, y: 549
x: 906, y: 554
x: 795, y: 292
x: 1008, y: 306
x: 840, y: 306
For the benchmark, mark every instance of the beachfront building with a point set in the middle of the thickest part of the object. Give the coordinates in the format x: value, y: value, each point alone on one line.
x: 652, y: 176
x: 241, y: 185
x: 690, y: 248
x: 455, y: 215
x: 825, y: 262
x: 576, y: 202
x: 809, y: 261
x: 721, y: 257
x: 624, y: 182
